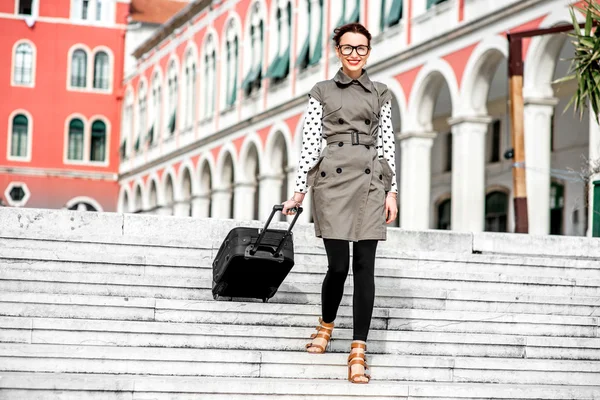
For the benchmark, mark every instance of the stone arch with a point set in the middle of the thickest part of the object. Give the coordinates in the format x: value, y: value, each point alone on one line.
x: 138, y: 198
x: 277, y: 184
x: 169, y: 189
x: 124, y: 204
x: 154, y: 199
x: 224, y: 190
x: 427, y: 87
x: 479, y: 73
x: 186, y: 189
x: 249, y: 176
x: 203, y: 207
x: 542, y: 57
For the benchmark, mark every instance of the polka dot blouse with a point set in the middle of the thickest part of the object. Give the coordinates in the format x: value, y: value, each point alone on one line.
x: 312, y: 142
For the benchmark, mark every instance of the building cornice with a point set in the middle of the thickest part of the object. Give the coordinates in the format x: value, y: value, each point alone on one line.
x: 176, y: 21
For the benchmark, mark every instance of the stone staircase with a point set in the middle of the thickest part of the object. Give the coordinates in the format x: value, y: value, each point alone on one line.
x: 111, y: 306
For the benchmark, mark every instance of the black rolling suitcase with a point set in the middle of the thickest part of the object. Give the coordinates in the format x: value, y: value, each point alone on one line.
x: 253, y: 262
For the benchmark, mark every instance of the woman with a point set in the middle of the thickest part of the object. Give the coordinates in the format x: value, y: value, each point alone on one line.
x: 354, y: 185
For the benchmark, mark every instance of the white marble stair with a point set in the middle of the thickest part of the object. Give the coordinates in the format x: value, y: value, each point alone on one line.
x: 107, y: 306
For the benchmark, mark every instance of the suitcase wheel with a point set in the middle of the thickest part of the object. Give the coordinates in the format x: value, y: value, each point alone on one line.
x: 265, y: 300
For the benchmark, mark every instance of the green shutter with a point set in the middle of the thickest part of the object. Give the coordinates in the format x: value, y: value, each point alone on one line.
x: 249, y: 78
x: 231, y: 97
x: 383, y: 18
x: 75, y: 140
x: 318, y: 49
x: 150, y: 135
x: 98, y: 142
x: 136, y: 146
x: 123, y: 149
x: 395, y: 13
x: 280, y: 68
x: 19, y: 136
x: 431, y: 3
x: 302, y: 61
x: 172, y: 122
x: 355, y: 16
x: 273, y: 67
x: 596, y: 210
x: 342, y: 20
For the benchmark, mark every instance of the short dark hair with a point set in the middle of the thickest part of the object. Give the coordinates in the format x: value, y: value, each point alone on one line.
x: 353, y: 27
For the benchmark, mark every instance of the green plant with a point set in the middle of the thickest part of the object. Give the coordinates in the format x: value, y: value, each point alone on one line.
x: 585, y: 64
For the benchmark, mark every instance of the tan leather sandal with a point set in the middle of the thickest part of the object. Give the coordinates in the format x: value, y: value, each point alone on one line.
x: 324, y: 331
x: 358, y: 358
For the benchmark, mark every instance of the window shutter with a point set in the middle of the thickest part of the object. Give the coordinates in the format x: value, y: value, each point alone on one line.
x: 395, y: 13
x: 317, y: 51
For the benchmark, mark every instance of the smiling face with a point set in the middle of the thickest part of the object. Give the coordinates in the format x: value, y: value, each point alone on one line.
x: 354, y: 62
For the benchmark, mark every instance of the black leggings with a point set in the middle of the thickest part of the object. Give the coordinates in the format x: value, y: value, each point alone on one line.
x: 363, y: 268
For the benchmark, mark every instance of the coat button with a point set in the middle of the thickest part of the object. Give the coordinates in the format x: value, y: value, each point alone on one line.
x: 340, y: 144
x: 380, y: 177
x: 367, y: 147
x: 368, y: 121
x: 339, y: 170
x: 340, y: 121
x: 367, y: 171
x: 322, y: 173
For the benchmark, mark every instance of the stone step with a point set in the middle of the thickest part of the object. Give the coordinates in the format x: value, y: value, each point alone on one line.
x: 173, y: 287
x: 42, y: 386
x: 283, y: 364
x: 290, y: 337
x: 200, y: 266
x: 253, y: 313
x: 136, y: 255
x: 168, y: 230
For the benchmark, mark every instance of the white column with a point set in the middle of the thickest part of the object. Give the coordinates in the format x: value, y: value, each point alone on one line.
x: 415, y: 181
x: 244, y: 199
x: 200, y: 206
x: 468, y: 173
x: 181, y: 208
x: 270, y: 189
x: 221, y: 202
x: 165, y: 210
x: 594, y: 160
x: 538, y: 121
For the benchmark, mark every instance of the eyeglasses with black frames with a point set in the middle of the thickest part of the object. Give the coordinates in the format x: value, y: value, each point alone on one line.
x: 347, y: 49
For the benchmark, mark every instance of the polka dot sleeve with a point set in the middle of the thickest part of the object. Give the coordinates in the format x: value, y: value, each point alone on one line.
x: 386, y: 147
x: 311, y: 142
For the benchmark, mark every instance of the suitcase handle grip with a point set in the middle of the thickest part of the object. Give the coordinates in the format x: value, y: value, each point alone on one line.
x: 276, y: 207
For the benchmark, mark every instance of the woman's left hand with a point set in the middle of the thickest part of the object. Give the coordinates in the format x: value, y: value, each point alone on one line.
x: 391, y: 209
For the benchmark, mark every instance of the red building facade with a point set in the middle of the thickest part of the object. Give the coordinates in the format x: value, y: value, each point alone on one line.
x: 60, y: 84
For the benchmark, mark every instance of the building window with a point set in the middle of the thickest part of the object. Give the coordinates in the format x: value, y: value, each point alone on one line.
x: 353, y: 8
x: 311, y: 50
x: 17, y: 194
x: 448, y: 159
x: 280, y: 67
x: 253, y: 78
x: 494, y: 141
x: 101, y: 70
x: 79, y: 69
x: 232, y: 65
x: 391, y: 13
x: 25, y: 7
x: 98, y: 142
x: 126, y: 126
x: 210, y: 58
x: 431, y: 3
x: 173, y: 95
x: 92, y: 10
x: 190, y: 89
x: 23, y: 65
x: 444, y: 211
x: 156, y: 113
x: 19, y: 138
x: 496, y: 212
x: 557, y: 206
x: 142, y: 116
x: 75, y: 140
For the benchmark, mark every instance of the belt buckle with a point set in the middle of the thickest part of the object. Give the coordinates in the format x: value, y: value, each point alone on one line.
x: 354, y: 135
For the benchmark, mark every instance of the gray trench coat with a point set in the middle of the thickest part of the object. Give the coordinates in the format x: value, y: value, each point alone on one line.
x: 349, y: 181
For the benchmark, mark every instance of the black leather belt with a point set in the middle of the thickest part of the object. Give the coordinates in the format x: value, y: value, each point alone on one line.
x: 352, y: 137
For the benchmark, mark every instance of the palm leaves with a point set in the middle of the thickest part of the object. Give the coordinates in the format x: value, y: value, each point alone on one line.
x: 585, y: 64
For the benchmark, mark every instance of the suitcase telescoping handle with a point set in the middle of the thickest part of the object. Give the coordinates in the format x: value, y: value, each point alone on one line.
x: 276, y: 207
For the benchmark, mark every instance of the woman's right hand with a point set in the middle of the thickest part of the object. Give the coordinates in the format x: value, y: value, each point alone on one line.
x: 289, y: 205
